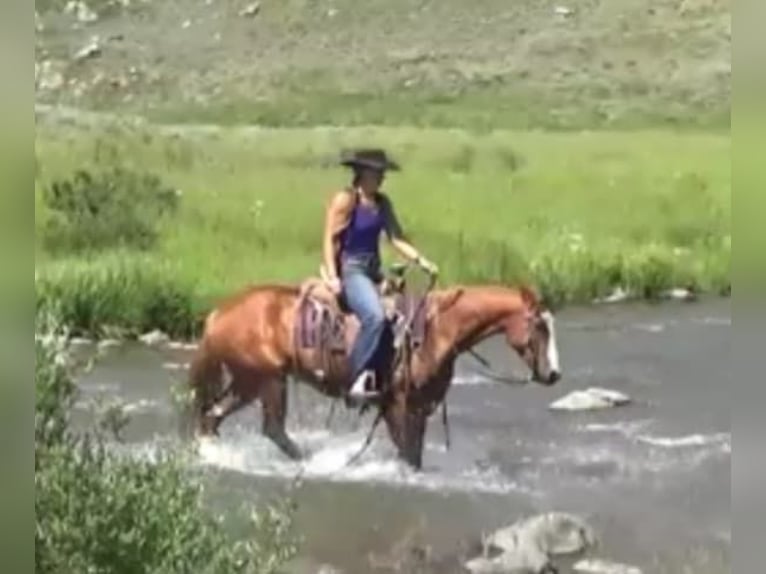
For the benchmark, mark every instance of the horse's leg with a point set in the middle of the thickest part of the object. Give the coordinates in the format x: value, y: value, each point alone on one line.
x: 415, y: 438
x: 407, y: 427
x: 274, y: 402
x: 232, y: 401
x: 206, y: 384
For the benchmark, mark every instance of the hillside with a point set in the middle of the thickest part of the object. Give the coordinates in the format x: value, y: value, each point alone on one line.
x: 485, y: 63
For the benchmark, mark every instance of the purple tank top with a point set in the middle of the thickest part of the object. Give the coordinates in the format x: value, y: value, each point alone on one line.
x: 362, y: 234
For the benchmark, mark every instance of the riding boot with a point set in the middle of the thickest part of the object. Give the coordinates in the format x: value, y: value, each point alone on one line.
x: 364, y: 386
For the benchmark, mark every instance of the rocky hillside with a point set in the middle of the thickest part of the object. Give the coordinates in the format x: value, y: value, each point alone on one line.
x: 483, y: 63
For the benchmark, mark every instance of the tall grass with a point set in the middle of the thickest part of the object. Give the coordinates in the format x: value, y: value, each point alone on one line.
x: 120, y: 295
x: 576, y: 214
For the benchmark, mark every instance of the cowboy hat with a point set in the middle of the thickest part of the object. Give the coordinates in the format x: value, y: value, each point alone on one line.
x: 369, y: 158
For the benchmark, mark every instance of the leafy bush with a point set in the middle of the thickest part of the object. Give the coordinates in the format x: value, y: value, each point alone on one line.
x: 99, y: 512
x: 113, y: 208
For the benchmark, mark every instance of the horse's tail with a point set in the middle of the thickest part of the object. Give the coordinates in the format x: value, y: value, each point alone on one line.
x: 205, y: 382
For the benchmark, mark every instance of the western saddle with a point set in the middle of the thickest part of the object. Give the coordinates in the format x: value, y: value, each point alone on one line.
x: 325, y: 328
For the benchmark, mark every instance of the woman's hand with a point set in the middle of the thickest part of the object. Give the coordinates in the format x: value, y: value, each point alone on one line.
x: 334, y: 285
x: 333, y: 282
x: 427, y: 266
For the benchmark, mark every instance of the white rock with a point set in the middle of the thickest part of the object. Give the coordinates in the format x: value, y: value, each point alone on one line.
x: 679, y: 294
x: 81, y: 11
x: 529, y: 544
x: 251, y: 10
x: 154, y: 338
x: 598, y: 566
x: 563, y: 11
x: 48, y: 76
x: 108, y: 344
x: 617, y: 296
x: 593, y: 398
x: 91, y: 50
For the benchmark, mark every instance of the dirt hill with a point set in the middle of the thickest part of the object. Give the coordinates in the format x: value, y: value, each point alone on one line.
x: 483, y: 63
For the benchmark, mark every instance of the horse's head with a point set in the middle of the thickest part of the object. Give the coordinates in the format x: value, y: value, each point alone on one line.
x: 531, y: 332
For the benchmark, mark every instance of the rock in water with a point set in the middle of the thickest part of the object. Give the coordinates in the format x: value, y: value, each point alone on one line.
x: 598, y: 566
x: 593, y: 398
x: 108, y: 344
x: 618, y: 295
x: 528, y: 545
x: 154, y: 338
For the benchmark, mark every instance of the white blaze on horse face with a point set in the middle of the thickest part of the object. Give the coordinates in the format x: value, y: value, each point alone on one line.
x: 553, y: 348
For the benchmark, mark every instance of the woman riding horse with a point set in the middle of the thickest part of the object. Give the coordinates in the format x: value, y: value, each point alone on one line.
x: 355, y: 218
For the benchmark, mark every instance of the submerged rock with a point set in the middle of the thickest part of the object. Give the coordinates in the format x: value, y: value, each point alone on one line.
x: 528, y: 545
x: 598, y: 566
x: 593, y: 398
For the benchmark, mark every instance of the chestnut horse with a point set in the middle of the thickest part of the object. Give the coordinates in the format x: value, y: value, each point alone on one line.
x: 251, y: 337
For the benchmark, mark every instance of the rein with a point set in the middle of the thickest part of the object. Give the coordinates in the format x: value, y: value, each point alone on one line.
x: 493, y: 375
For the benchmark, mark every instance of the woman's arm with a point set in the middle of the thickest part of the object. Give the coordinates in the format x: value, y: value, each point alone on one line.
x: 336, y: 218
x: 399, y: 241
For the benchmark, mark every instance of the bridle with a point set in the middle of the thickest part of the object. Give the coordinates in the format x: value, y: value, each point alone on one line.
x: 532, y: 319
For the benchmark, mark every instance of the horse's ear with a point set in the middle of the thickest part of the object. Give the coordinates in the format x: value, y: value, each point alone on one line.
x: 530, y: 297
x: 446, y: 300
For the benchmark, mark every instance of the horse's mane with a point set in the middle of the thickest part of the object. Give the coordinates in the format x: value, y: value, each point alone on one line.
x: 530, y: 296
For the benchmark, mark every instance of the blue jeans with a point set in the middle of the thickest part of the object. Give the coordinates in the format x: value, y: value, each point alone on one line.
x: 364, y: 301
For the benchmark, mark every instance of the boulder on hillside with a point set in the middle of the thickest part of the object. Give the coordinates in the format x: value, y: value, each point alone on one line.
x: 81, y: 12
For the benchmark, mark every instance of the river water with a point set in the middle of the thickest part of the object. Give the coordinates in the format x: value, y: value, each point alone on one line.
x: 653, y: 477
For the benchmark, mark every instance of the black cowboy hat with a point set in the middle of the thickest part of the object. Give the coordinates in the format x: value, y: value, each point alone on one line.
x: 369, y: 158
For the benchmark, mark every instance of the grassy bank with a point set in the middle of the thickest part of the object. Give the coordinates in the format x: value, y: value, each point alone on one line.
x: 575, y: 213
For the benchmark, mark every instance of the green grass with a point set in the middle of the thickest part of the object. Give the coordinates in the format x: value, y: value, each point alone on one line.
x: 479, y: 109
x: 619, y: 64
x: 574, y: 213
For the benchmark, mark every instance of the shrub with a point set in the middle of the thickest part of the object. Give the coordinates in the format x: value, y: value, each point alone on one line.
x: 99, y: 512
x: 113, y: 208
